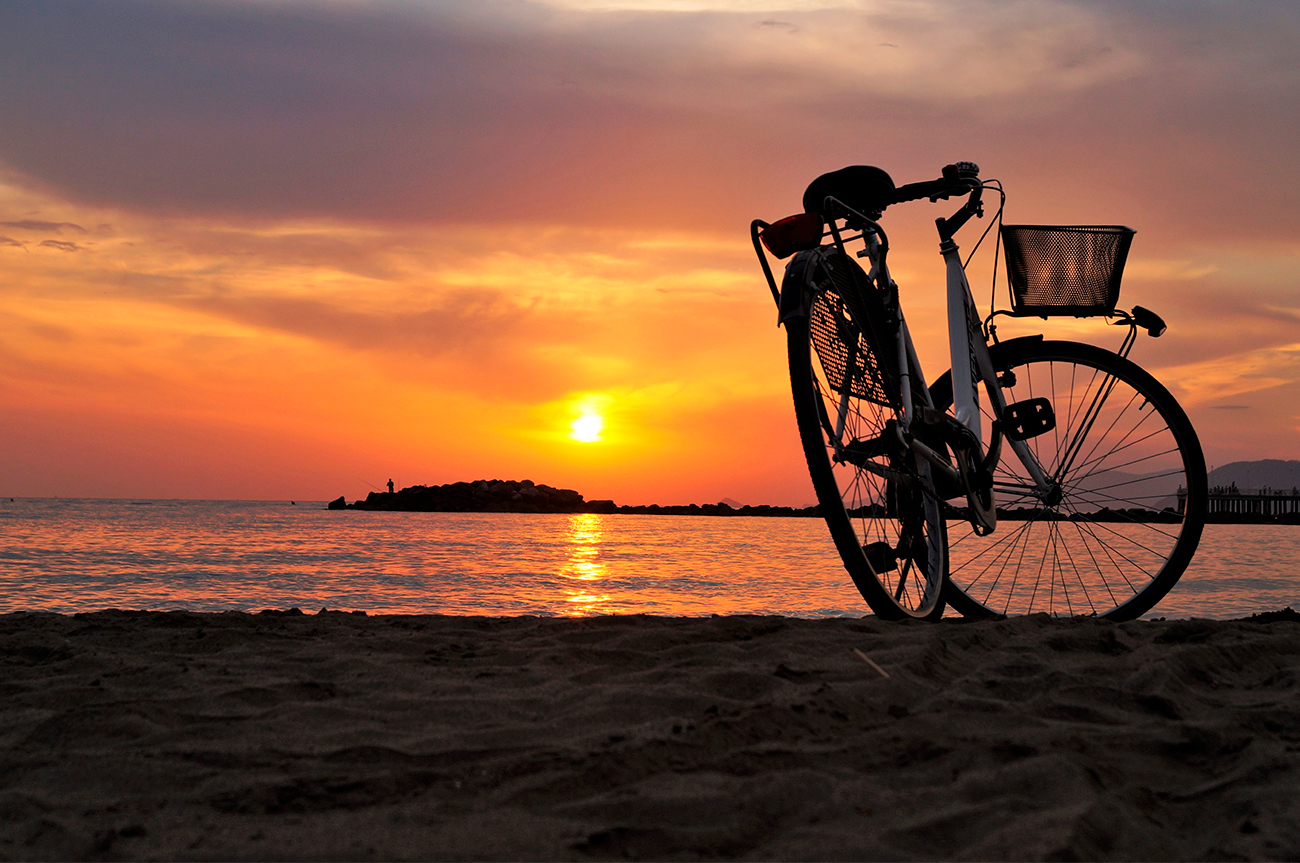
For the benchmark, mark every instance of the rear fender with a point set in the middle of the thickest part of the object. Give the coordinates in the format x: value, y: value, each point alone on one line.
x: 797, y: 290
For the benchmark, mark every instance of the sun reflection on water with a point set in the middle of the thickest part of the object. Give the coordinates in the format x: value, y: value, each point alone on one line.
x: 584, y: 567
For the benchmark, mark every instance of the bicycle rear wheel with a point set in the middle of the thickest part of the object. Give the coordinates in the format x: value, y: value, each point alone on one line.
x: 889, y: 532
x: 1132, y: 494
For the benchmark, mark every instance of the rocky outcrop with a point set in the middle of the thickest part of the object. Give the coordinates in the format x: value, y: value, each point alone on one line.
x: 495, y: 495
x: 484, y: 495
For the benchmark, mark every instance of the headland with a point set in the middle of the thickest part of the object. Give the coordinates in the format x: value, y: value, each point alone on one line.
x: 496, y: 495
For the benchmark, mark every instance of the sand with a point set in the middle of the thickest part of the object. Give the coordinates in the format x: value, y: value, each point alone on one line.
x: 133, y: 735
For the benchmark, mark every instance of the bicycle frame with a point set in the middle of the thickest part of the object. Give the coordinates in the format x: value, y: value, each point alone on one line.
x: 971, y: 364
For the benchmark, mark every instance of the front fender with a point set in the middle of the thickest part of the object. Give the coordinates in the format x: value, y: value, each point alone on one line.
x: 941, y: 389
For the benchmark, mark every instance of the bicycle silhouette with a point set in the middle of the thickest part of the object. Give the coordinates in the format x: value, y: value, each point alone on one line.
x: 1075, y: 486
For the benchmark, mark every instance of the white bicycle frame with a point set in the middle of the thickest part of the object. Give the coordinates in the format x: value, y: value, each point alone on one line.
x: 971, y: 364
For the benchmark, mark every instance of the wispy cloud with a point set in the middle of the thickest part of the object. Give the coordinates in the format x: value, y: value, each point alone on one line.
x: 477, y: 324
x: 1156, y: 269
x: 1225, y: 377
x: 61, y: 245
x: 43, y: 227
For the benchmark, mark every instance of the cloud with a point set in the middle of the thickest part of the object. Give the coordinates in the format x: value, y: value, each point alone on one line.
x: 1156, y: 269
x: 1245, y: 372
x: 468, y: 323
x: 50, y: 227
x: 61, y: 245
x: 10, y: 241
x: 392, y: 112
x: 50, y: 332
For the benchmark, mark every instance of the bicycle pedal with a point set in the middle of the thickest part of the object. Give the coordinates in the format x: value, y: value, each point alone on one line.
x: 1029, y: 418
x: 881, y: 556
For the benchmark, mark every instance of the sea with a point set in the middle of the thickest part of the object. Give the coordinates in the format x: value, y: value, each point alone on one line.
x: 69, y: 556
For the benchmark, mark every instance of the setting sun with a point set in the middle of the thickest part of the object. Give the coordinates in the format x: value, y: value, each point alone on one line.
x: 587, y: 428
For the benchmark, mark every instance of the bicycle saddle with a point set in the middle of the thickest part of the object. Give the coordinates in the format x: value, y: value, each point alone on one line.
x: 865, y: 188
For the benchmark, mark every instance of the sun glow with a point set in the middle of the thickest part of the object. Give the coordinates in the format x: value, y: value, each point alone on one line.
x: 587, y: 428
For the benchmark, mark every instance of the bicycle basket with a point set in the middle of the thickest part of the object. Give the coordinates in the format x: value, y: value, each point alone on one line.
x: 1065, y: 269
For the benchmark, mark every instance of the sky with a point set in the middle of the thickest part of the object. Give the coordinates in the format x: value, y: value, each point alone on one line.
x: 288, y: 250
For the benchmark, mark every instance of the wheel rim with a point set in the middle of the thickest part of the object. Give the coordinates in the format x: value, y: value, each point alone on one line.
x: 1116, y: 541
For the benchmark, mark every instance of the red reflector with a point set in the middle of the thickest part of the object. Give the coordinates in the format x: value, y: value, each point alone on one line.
x: 793, y: 234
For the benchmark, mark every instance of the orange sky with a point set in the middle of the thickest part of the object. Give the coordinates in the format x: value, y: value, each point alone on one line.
x: 290, y: 250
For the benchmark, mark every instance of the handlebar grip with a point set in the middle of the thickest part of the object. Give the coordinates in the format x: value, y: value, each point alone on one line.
x: 928, y: 189
x: 958, y: 179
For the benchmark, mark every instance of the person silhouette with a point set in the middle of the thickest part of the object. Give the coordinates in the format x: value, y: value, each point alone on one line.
x: 390, y: 486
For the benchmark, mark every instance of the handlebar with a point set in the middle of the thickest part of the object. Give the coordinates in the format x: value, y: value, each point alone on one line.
x: 958, y: 179
x: 864, y: 192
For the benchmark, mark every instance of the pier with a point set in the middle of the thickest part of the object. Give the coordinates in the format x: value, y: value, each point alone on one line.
x: 1252, y: 503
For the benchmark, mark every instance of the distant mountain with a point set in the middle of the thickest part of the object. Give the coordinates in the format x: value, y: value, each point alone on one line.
x: 1252, y: 475
x: 1117, y: 489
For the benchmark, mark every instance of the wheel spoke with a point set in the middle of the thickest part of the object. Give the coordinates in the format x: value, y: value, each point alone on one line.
x: 1087, y: 546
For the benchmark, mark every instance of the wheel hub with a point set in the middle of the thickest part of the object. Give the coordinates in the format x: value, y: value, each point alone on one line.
x: 1053, y: 497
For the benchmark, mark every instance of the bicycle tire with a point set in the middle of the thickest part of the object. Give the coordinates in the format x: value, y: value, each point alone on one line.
x: 1118, y: 539
x: 891, y: 521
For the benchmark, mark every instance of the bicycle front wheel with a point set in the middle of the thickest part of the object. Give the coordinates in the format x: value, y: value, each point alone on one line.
x: 889, y: 531
x: 1130, y: 504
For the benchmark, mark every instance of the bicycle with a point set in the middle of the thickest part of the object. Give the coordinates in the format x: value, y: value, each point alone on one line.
x: 1077, y: 484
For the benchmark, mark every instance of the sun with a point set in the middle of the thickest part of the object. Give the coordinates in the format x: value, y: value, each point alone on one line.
x: 587, y: 428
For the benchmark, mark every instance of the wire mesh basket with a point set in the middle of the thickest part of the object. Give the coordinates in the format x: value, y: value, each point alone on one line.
x: 1065, y: 269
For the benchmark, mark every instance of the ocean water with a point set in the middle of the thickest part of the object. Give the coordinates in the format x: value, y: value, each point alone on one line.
x: 84, y: 555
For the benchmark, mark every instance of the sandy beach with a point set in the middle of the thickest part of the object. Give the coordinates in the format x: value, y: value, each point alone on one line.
x: 134, y: 735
